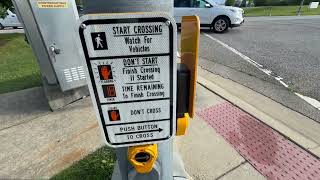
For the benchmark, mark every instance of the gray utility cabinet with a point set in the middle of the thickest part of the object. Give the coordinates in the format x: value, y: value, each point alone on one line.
x: 50, y: 27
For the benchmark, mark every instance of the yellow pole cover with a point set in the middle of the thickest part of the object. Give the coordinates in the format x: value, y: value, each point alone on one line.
x: 190, y: 34
x: 143, y: 157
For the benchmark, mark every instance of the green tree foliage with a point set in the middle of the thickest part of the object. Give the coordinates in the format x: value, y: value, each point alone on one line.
x: 2, y: 12
x: 250, y: 3
x: 260, y: 2
x: 230, y: 2
x: 78, y: 2
x: 243, y: 3
x: 4, y: 5
x: 276, y: 2
x: 271, y: 2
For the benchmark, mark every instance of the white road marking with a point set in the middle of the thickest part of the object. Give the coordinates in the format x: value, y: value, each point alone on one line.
x: 313, y: 102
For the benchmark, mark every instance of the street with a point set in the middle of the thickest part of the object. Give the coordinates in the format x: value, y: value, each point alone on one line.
x: 275, y: 56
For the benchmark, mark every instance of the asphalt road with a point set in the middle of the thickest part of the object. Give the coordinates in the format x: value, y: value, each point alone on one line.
x: 287, y: 46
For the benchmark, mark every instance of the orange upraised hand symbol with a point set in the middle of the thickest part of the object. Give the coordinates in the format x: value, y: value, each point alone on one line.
x: 105, y: 72
x: 114, y: 116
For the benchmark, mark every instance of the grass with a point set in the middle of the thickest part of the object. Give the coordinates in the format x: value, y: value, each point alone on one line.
x: 280, y: 11
x: 18, y: 67
x: 96, y: 166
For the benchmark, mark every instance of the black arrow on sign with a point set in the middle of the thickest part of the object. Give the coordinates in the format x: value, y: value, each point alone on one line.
x: 136, y: 132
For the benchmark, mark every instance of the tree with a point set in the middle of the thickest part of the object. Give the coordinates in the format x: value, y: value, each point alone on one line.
x: 307, y: 2
x: 78, y: 2
x: 244, y: 3
x: 260, y: 2
x: 294, y: 2
x: 250, y: 3
x: 230, y: 2
x: 4, y: 5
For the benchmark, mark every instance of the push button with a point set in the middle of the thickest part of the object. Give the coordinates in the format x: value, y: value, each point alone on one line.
x: 142, y: 158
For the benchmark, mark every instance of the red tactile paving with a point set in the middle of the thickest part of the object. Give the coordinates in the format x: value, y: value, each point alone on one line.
x: 273, y: 155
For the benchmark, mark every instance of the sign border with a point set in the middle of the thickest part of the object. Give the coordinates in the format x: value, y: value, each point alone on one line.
x: 94, y: 86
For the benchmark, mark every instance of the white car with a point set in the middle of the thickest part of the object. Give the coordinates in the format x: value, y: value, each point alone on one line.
x: 11, y: 20
x: 218, y: 17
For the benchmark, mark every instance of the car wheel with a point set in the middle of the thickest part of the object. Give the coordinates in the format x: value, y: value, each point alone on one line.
x: 220, y: 24
x: 1, y: 26
x: 15, y: 27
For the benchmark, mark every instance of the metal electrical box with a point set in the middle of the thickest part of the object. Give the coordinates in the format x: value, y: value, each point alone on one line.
x: 56, y: 22
x: 50, y: 26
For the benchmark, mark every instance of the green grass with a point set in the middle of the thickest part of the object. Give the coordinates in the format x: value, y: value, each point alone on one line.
x: 18, y: 67
x: 280, y: 11
x: 96, y: 166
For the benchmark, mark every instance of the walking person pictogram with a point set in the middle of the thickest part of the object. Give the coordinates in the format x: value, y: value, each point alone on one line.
x: 99, y: 41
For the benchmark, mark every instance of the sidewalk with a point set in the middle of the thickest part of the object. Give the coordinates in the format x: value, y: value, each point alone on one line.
x: 42, y: 143
x: 272, y: 139
x: 206, y: 154
x: 38, y: 145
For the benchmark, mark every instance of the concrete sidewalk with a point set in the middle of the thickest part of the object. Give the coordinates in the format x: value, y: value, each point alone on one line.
x: 206, y: 154
x: 39, y: 144
x: 43, y: 143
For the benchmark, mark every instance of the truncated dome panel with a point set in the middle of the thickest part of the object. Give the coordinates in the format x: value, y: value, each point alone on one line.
x: 272, y: 154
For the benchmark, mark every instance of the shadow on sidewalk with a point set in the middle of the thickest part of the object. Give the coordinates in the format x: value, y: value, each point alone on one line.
x: 20, y: 106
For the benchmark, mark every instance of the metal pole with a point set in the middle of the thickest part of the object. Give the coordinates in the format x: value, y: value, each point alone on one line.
x: 167, y: 165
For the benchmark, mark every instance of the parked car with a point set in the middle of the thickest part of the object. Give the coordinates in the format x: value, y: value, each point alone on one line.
x: 217, y: 17
x: 11, y: 20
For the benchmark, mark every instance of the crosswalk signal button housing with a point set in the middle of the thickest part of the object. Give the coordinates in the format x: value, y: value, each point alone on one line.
x: 142, y: 158
x: 187, y: 72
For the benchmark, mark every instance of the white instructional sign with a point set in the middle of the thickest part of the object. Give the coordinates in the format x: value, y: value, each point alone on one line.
x: 132, y: 68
